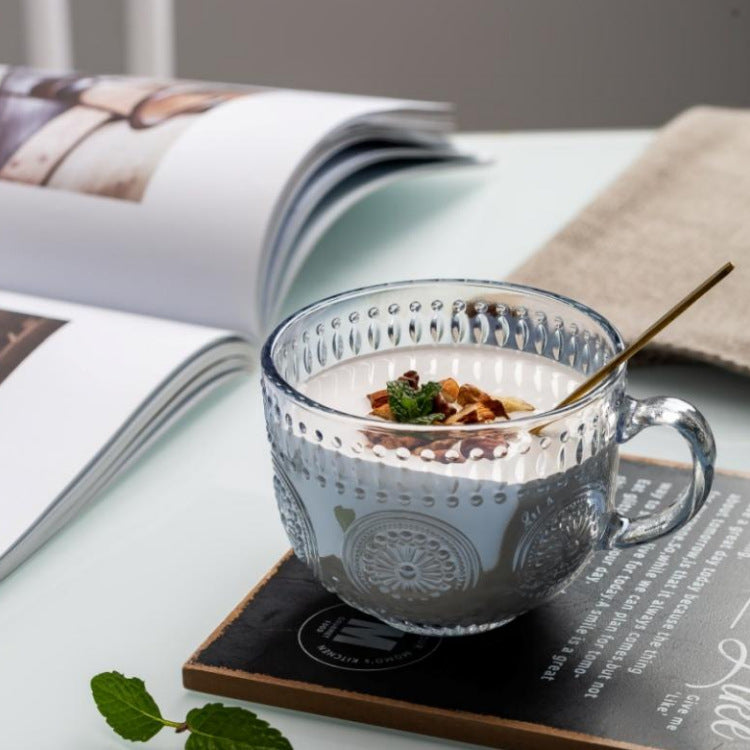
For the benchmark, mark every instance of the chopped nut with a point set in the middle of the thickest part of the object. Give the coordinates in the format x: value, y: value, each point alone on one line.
x: 485, y: 413
x: 472, y: 413
x: 412, y: 378
x: 497, y: 407
x: 457, y: 404
x: 449, y: 389
x: 467, y: 415
x: 441, y: 406
x: 384, y: 412
x: 511, y: 403
x: 378, y: 398
x: 470, y: 394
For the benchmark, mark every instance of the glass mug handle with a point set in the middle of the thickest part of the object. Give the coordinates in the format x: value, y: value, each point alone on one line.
x: 691, y: 424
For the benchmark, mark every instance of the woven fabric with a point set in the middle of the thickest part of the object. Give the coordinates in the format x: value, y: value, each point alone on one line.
x: 672, y: 218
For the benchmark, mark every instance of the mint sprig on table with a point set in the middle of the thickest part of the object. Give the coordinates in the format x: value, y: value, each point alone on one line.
x: 131, y: 712
x: 413, y: 405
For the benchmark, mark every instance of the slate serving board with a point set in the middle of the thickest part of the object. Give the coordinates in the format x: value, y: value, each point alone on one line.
x: 648, y: 648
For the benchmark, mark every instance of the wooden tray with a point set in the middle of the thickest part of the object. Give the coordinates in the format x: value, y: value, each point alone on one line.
x: 609, y: 664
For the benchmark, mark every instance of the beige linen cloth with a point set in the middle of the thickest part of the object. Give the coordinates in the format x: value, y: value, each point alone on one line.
x: 673, y: 217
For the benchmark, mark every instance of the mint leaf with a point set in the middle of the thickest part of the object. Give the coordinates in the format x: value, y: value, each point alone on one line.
x: 426, y: 397
x: 219, y: 727
x: 127, y: 706
x: 133, y: 714
x: 430, y: 389
x: 413, y: 405
x: 400, y: 399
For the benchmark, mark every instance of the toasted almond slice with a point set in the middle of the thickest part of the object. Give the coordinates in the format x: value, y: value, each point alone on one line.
x: 512, y: 403
x: 441, y: 406
x: 497, y: 407
x: 470, y: 394
x: 449, y: 390
x: 383, y: 411
x: 485, y: 413
x: 467, y: 415
x: 378, y: 398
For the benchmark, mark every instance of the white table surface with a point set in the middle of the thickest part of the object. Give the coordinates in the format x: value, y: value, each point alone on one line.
x: 139, y: 579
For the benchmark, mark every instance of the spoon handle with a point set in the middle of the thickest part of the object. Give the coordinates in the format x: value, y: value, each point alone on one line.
x: 648, y: 334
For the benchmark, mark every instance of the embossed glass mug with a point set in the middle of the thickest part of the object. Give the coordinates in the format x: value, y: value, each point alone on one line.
x: 459, y: 541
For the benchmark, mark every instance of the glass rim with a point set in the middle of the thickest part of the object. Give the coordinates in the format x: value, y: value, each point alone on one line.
x: 271, y: 372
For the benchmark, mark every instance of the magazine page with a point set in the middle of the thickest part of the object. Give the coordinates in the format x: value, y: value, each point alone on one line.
x: 165, y: 198
x: 351, y: 175
x: 347, y: 193
x: 84, y: 388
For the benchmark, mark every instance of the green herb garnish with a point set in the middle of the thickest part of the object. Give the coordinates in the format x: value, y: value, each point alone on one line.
x: 413, y: 405
x: 131, y: 711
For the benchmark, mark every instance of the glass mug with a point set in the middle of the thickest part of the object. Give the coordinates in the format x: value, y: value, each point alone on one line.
x: 462, y: 542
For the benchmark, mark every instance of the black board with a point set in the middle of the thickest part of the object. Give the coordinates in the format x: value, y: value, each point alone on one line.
x: 646, y: 649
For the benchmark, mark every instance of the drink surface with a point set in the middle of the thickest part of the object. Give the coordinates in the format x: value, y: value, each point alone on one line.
x: 500, y: 372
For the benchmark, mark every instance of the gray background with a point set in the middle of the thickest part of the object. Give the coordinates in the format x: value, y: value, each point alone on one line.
x: 507, y: 64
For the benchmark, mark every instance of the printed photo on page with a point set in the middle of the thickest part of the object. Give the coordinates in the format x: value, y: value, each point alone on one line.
x: 20, y: 334
x: 103, y: 135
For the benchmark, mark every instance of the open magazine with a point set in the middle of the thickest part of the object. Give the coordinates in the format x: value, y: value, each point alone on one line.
x: 149, y: 231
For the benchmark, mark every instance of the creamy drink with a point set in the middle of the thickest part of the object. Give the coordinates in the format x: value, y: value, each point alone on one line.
x: 422, y: 469
x: 382, y: 489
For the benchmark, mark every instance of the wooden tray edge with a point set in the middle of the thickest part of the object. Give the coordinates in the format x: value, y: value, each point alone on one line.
x: 387, y: 712
x: 393, y: 714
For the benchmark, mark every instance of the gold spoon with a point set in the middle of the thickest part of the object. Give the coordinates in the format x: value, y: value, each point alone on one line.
x: 648, y: 334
